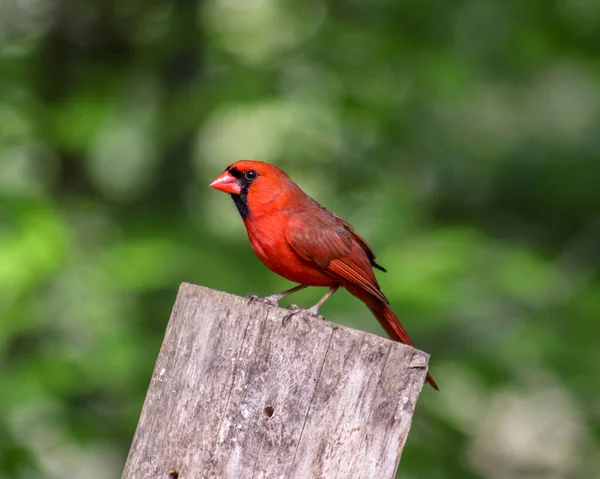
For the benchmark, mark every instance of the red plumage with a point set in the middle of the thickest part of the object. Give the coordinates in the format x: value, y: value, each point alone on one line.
x: 297, y: 238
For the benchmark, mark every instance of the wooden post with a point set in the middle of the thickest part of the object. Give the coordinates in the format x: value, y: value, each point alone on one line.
x: 239, y: 393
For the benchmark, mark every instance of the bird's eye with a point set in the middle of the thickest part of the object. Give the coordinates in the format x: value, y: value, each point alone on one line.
x: 250, y: 175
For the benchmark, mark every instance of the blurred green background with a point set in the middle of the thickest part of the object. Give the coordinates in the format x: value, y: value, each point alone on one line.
x: 460, y: 138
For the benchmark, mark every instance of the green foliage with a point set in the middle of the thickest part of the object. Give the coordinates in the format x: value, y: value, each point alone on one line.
x: 461, y: 139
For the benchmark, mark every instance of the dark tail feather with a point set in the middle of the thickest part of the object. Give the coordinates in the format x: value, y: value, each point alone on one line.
x: 386, y: 317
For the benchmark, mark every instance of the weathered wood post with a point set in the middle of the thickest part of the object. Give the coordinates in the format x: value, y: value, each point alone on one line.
x: 238, y: 393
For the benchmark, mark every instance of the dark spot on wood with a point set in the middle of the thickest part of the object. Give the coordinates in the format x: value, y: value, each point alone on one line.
x: 375, y: 356
x: 269, y: 411
x: 173, y: 475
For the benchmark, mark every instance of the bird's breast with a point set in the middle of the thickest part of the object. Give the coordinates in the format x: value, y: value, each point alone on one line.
x: 268, y: 239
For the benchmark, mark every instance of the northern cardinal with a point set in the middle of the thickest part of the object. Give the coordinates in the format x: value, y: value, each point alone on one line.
x: 299, y: 239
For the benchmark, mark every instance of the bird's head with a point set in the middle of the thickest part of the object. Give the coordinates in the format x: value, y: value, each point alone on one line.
x: 252, y: 184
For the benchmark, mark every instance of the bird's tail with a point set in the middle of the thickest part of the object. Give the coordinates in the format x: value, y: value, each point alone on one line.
x: 386, y: 317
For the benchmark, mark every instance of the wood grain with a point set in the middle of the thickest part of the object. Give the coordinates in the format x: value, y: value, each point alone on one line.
x: 239, y: 393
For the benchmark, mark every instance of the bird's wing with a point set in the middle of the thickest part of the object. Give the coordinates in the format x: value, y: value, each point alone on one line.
x: 363, y: 244
x: 320, y: 238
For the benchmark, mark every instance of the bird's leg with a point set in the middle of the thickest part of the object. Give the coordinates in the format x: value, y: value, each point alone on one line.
x: 314, y: 311
x: 274, y: 299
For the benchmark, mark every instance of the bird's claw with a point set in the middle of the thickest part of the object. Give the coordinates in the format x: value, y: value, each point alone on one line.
x: 252, y: 298
x: 314, y: 312
x: 287, y: 317
x: 267, y: 299
x: 298, y: 311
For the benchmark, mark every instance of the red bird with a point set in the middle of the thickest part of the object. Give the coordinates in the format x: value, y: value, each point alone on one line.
x: 299, y: 239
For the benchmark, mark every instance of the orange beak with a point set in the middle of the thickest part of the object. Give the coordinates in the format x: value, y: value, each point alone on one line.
x: 226, y: 183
